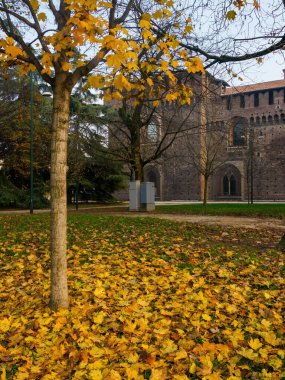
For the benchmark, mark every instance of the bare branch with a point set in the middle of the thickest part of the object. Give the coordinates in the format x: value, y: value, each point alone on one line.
x: 128, y: 8
x: 19, y: 17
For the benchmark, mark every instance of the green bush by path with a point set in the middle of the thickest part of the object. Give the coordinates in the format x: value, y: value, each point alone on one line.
x: 234, y: 209
x: 150, y: 299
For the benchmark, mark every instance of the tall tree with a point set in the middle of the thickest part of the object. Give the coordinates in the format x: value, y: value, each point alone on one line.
x: 144, y: 94
x: 15, y: 95
x: 91, y: 169
x: 65, y: 41
x: 52, y: 38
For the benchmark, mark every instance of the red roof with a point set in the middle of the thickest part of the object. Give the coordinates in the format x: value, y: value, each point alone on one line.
x: 254, y: 87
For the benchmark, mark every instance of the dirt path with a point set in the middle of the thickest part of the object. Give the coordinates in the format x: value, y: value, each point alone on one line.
x: 227, y: 221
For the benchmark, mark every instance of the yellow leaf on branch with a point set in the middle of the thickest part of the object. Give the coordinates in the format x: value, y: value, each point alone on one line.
x: 42, y: 16
x: 34, y: 4
x: 114, y: 60
x: 194, y: 65
x: 66, y: 66
x: 96, y: 81
x: 13, y: 51
x: 145, y: 24
x: 122, y: 83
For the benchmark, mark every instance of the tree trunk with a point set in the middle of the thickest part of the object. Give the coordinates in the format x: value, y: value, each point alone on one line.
x: 59, y: 290
x: 139, y: 175
x: 205, y: 191
x: 136, y: 156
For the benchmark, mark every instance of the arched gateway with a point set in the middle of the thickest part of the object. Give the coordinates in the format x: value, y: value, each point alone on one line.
x: 227, y: 182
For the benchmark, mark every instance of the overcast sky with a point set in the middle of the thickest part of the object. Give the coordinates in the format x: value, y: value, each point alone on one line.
x: 269, y: 70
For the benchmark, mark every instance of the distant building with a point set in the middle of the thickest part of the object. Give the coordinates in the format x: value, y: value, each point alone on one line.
x: 247, y: 126
x: 250, y: 159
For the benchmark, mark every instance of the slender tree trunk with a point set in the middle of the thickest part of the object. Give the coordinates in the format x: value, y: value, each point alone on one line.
x: 139, y: 174
x: 136, y: 155
x: 59, y: 290
x: 205, y: 191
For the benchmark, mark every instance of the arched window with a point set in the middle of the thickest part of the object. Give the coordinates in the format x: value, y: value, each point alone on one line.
x: 229, y: 185
x: 263, y: 119
x: 152, y: 131
x: 270, y: 119
x: 152, y: 176
x: 233, y: 186
x: 239, y: 134
x: 226, y: 186
x: 276, y: 119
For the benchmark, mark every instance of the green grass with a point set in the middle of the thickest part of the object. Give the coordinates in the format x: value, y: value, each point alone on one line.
x: 255, y: 210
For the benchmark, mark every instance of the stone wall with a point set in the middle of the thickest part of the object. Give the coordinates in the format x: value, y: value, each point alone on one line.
x: 262, y: 114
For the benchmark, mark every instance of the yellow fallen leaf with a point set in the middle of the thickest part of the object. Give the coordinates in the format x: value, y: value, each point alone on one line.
x: 207, y: 366
x: 98, y: 364
x: 96, y: 352
x: 132, y: 373
x: 99, y: 292
x: 192, y: 368
x: 182, y: 354
x: 98, y: 319
x: 231, y: 309
x: 266, y: 324
x: 21, y: 376
x: 95, y: 374
x: 270, y: 338
x: 114, y: 375
x: 133, y: 357
x: 169, y: 346
x: 3, y: 374
x: 255, y: 344
x: 157, y: 374
x: 275, y: 362
x: 248, y: 353
x: 5, y: 324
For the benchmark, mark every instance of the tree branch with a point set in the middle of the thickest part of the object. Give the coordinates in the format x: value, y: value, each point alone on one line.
x: 16, y: 15
x: 231, y: 58
x: 121, y: 19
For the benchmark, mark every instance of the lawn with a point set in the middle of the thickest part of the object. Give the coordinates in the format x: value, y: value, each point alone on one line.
x: 150, y: 299
x: 235, y: 209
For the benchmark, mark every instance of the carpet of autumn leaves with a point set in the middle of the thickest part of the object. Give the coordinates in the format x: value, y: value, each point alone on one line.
x: 150, y: 299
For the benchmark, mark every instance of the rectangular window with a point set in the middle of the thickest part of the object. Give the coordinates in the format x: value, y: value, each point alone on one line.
x: 242, y: 101
x: 284, y: 95
x: 270, y: 97
x: 256, y: 99
x: 229, y: 103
